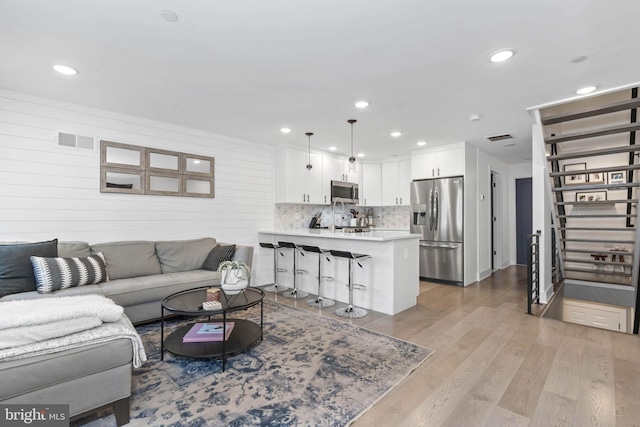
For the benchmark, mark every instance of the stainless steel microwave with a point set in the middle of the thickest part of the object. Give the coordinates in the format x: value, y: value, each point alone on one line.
x: 346, y: 191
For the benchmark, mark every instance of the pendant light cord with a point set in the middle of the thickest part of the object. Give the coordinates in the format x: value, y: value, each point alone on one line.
x: 309, y: 165
x: 352, y: 159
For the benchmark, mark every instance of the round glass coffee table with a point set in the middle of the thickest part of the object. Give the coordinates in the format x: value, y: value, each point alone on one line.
x: 245, y: 333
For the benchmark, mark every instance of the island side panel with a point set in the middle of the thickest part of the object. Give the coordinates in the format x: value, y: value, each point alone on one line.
x: 390, y: 276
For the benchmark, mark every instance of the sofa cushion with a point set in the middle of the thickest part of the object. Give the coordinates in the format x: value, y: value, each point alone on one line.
x: 217, y: 255
x: 129, y: 259
x: 16, y: 271
x: 53, y: 274
x: 73, y: 249
x: 183, y: 255
x: 140, y: 290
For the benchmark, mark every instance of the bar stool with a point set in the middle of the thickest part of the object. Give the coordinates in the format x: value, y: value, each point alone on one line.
x: 295, y: 292
x: 320, y: 301
x: 275, y: 287
x: 350, y: 311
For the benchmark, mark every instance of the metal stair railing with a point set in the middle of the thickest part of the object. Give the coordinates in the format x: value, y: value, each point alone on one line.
x: 533, y: 270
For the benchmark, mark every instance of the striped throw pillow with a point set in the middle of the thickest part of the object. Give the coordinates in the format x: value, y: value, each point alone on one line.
x: 53, y: 274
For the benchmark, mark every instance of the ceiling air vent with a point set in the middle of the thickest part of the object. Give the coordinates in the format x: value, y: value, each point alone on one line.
x: 71, y: 140
x: 499, y: 137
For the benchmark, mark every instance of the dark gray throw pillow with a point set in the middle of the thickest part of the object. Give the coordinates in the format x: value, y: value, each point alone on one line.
x: 217, y: 255
x: 16, y: 270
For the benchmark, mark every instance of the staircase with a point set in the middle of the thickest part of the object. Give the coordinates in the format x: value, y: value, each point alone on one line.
x: 593, y: 170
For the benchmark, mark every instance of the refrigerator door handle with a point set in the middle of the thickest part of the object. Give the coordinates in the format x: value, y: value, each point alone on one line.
x: 431, y: 210
x: 436, y: 210
x: 440, y: 245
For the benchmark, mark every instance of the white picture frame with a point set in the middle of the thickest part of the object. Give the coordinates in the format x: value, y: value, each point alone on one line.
x: 617, y: 177
x: 575, y: 179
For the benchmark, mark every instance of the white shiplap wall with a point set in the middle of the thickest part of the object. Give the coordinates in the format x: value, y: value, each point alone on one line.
x: 51, y: 192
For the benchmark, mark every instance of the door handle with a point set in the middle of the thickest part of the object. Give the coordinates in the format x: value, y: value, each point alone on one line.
x: 439, y: 245
x: 437, y: 209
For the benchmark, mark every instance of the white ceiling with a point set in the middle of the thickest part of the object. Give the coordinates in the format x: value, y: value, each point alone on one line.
x: 246, y: 68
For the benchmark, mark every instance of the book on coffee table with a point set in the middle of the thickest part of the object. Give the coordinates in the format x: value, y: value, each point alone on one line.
x: 204, y: 332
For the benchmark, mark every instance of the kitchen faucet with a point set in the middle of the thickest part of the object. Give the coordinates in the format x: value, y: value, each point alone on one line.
x: 333, y: 225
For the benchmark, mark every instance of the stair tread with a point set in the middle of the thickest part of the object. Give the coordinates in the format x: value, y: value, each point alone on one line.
x: 611, y: 130
x: 593, y: 153
x: 627, y: 104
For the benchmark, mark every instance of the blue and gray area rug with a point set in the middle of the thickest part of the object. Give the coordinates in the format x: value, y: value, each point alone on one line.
x: 309, y: 370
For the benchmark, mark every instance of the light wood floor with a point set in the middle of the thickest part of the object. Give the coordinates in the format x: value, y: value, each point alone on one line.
x: 496, y: 366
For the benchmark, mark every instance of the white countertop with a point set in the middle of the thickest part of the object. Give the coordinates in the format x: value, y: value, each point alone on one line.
x: 374, y: 235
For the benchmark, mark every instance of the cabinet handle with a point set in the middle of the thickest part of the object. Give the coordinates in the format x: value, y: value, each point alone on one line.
x: 325, y: 199
x: 365, y: 202
x: 433, y: 172
x: 304, y: 198
x: 438, y: 171
x: 396, y: 200
x: 400, y: 200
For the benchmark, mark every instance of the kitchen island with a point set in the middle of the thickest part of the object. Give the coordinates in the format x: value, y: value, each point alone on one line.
x: 391, y: 275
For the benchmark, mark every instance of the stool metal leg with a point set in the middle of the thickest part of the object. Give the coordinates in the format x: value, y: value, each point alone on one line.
x: 275, y: 287
x: 350, y: 311
x: 295, y: 293
x: 320, y: 301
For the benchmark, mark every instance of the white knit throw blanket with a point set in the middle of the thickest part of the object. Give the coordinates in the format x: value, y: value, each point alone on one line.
x: 30, y: 321
x: 48, y: 325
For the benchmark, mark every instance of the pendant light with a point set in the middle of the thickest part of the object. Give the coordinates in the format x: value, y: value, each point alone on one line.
x: 309, y: 165
x: 352, y: 159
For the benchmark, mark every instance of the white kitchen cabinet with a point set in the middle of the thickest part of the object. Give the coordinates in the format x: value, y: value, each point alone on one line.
x: 371, y: 191
x: 438, y: 164
x: 331, y: 171
x: 294, y: 183
x: 396, y: 177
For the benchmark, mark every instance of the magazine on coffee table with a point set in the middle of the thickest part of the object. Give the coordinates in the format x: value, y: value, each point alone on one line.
x: 205, y: 332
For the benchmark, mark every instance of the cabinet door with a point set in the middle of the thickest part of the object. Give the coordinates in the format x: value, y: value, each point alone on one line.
x: 331, y: 171
x: 404, y: 182
x: 424, y: 165
x: 371, y: 183
x: 390, y: 184
x: 450, y: 162
x: 295, y: 176
x: 313, y: 180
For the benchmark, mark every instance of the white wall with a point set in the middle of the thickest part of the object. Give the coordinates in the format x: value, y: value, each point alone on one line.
x: 51, y: 192
x: 486, y: 165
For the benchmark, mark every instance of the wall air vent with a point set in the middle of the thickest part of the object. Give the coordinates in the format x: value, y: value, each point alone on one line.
x: 499, y: 137
x: 70, y: 140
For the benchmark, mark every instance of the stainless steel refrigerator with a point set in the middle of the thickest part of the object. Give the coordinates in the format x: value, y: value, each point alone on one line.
x: 437, y: 214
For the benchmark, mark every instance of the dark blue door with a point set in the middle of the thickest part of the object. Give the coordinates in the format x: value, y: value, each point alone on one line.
x: 524, y: 218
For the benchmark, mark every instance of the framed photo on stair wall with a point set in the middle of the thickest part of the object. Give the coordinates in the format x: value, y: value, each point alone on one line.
x: 577, y: 178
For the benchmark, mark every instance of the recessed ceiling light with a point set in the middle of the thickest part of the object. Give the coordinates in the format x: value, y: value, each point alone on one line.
x: 332, y: 148
x: 169, y: 16
x: 396, y: 134
x: 509, y: 144
x: 360, y: 154
x: 421, y: 143
x: 285, y: 130
x: 362, y: 104
x: 63, y: 69
x: 579, y: 59
x: 585, y: 90
x: 501, y: 55
x: 196, y: 161
x: 474, y: 117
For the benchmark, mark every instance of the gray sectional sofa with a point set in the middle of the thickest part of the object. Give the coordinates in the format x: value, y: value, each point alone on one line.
x: 141, y: 275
